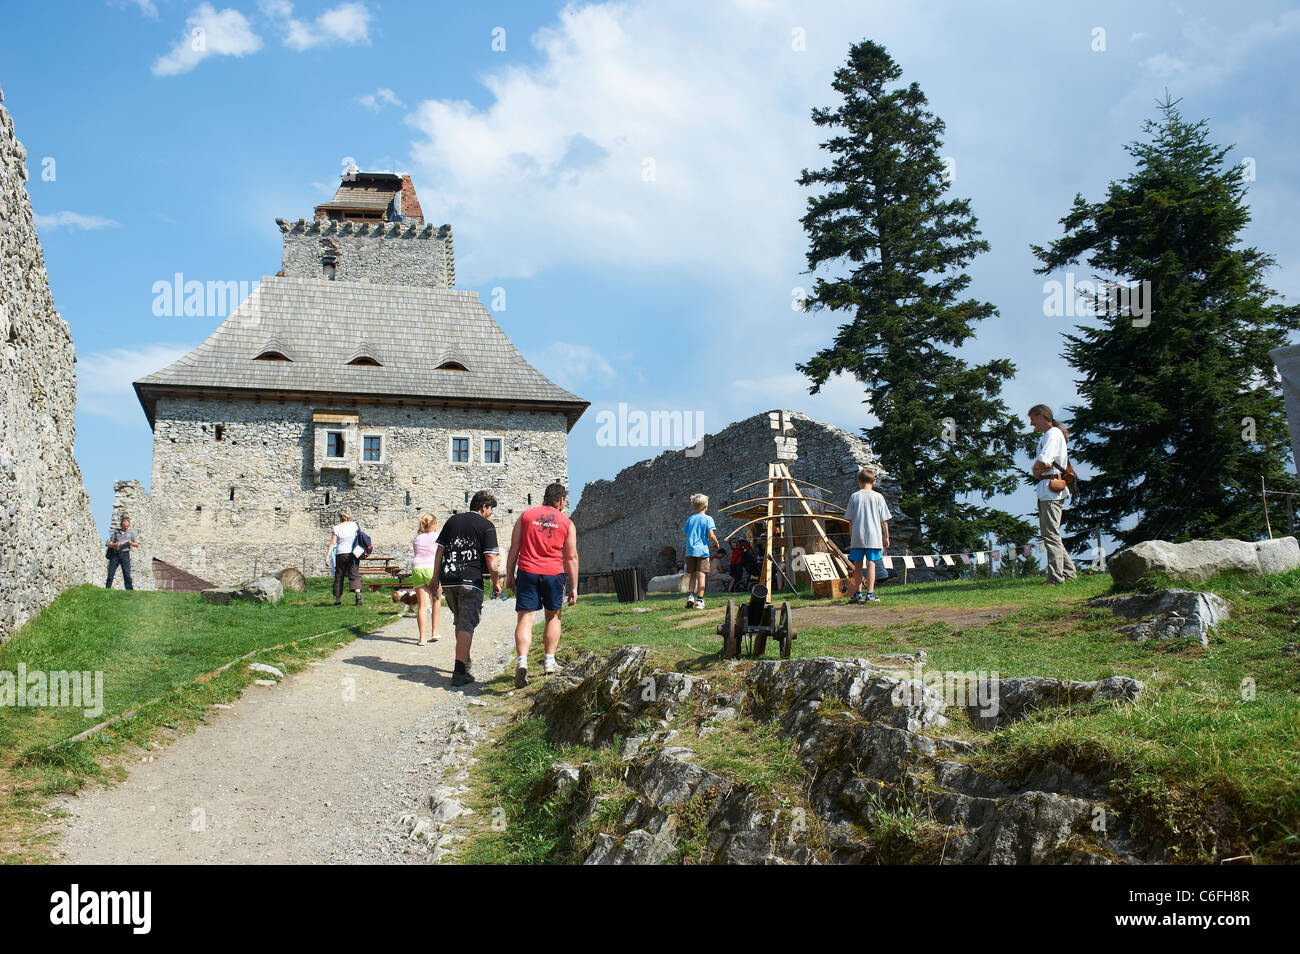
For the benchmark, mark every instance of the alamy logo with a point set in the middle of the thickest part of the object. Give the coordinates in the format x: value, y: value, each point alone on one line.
x: 36, y: 688
x: 637, y: 428
x: 194, y: 299
x: 134, y: 908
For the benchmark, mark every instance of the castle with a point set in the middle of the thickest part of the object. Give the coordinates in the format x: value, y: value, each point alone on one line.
x: 357, y: 377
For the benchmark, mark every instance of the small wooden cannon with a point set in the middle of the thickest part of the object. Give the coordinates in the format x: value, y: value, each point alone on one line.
x: 755, y: 621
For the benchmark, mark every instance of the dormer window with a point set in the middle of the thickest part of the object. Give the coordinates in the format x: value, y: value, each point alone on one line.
x: 365, y: 361
x: 452, y: 366
x: 366, y: 355
x: 272, y: 356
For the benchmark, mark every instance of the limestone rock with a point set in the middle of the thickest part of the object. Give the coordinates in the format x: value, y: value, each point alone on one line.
x: 798, y: 686
x: 220, y: 595
x: 291, y: 578
x: 1170, y: 614
x: 1198, y: 560
x: 265, y: 589
x: 671, y: 583
x: 1003, y: 701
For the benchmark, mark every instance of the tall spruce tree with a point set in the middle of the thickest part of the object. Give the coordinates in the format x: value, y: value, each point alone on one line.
x: 886, y: 215
x: 1181, y: 414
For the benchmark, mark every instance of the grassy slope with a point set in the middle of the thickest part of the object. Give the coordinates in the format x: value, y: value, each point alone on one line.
x: 1195, y: 756
x: 148, y: 645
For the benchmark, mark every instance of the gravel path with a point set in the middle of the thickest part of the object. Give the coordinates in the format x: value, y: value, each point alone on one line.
x: 357, y: 758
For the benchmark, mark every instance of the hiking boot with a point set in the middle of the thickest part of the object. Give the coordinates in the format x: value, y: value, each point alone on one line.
x: 521, y: 676
x: 856, y: 599
x: 358, y: 599
x: 462, y: 677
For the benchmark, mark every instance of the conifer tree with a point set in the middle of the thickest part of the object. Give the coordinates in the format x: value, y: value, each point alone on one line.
x: 902, y: 244
x: 1181, y: 412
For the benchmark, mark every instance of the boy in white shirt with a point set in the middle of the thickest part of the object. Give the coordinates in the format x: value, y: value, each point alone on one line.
x: 868, y: 518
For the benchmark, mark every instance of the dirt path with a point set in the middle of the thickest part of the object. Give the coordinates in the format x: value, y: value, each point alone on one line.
x: 337, y: 763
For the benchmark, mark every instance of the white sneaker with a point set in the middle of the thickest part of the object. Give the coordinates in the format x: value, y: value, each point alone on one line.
x: 690, y: 601
x: 551, y: 668
x: 699, y: 603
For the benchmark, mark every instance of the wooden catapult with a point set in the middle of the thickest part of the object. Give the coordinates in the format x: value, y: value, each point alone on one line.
x: 773, y: 517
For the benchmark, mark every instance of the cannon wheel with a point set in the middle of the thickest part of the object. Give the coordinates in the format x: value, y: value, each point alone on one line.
x: 730, y: 632
x: 785, y: 630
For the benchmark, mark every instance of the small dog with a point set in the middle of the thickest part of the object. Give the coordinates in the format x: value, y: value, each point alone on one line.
x: 406, y: 595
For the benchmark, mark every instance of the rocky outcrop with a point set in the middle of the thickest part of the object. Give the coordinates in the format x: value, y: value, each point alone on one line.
x: 1198, y: 560
x: 866, y: 740
x: 1003, y: 701
x: 1169, y: 614
x: 50, y: 539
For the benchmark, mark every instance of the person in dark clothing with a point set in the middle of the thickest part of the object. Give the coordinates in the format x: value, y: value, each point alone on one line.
x: 120, y: 543
x: 465, y: 552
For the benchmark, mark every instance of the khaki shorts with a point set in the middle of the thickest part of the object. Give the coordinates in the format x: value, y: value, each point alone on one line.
x: 697, y: 564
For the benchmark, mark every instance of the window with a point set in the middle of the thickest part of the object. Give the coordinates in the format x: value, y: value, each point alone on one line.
x: 491, y: 450
x: 460, y: 450
x: 272, y: 356
x: 334, y: 444
x: 365, y: 361
x: 451, y: 366
x: 329, y: 271
x: 371, y: 447
x: 220, y: 432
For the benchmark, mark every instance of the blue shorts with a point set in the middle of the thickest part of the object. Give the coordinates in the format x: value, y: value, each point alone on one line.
x: 533, y: 591
x: 864, y: 555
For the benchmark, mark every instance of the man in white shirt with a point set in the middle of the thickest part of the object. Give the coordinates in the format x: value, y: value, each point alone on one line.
x: 868, y: 518
x: 1049, y: 462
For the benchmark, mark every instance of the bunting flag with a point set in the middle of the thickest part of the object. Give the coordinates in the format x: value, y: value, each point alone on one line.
x: 947, y: 559
x: 1029, y: 549
x: 965, y: 558
x: 928, y: 560
x: 907, y: 562
x: 996, y: 555
x: 979, y: 558
x: 888, y: 561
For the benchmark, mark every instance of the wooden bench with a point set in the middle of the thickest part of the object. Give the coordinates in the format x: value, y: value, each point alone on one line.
x: 384, y: 567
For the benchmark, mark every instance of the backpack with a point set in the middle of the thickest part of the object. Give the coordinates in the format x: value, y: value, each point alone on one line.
x: 363, y: 541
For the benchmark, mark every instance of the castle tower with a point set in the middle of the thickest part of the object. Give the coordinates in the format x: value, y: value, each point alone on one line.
x: 371, y: 231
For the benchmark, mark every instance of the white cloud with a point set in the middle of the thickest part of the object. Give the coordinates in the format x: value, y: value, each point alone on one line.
x: 380, y: 98
x: 634, y: 142
x: 347, y: 23
x: 104, y: 379
x: 570, y: 364
x: 73, y: 220
x: 146, y: 7
x: 208, y: 33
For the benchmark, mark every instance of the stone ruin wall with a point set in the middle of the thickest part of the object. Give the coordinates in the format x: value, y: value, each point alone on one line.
x: 279, y: 516
x: 629, y: 520
x: 50, y: 539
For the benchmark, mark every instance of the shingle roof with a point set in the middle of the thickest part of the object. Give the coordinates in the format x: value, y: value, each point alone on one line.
x: 322, y: 324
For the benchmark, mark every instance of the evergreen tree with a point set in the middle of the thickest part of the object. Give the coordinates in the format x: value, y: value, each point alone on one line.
x: 1181, y: 414
x: 944, y: 432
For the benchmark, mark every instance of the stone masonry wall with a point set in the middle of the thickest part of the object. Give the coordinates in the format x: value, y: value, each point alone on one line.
x: 50, y: 540
x: 386, y: 253
x: 130, y: 499
x: 627, y: 521
x: 279, y: 515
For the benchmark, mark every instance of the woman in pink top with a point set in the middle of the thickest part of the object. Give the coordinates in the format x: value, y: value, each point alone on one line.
x: 422, y: 567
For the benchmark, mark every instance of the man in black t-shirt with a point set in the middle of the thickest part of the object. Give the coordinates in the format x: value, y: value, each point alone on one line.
x: 466, y: 550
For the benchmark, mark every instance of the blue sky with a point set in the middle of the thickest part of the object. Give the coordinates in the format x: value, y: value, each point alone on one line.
x: 624, y: 171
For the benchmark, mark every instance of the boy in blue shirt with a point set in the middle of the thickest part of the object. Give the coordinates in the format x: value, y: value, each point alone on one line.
x: 868, y: 518
x: 699, y: 535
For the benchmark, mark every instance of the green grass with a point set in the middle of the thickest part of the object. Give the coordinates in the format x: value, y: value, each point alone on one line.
x: 157, y: 652
x: 1205, y: 761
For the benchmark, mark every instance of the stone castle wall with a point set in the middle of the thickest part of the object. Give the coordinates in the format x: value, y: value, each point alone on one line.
x: 50, y: 539
x: 386, y: 253
x: 279, y: 516
x: 628, y: 521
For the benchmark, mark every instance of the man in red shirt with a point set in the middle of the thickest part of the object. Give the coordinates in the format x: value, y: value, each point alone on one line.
x: 543, y: 546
